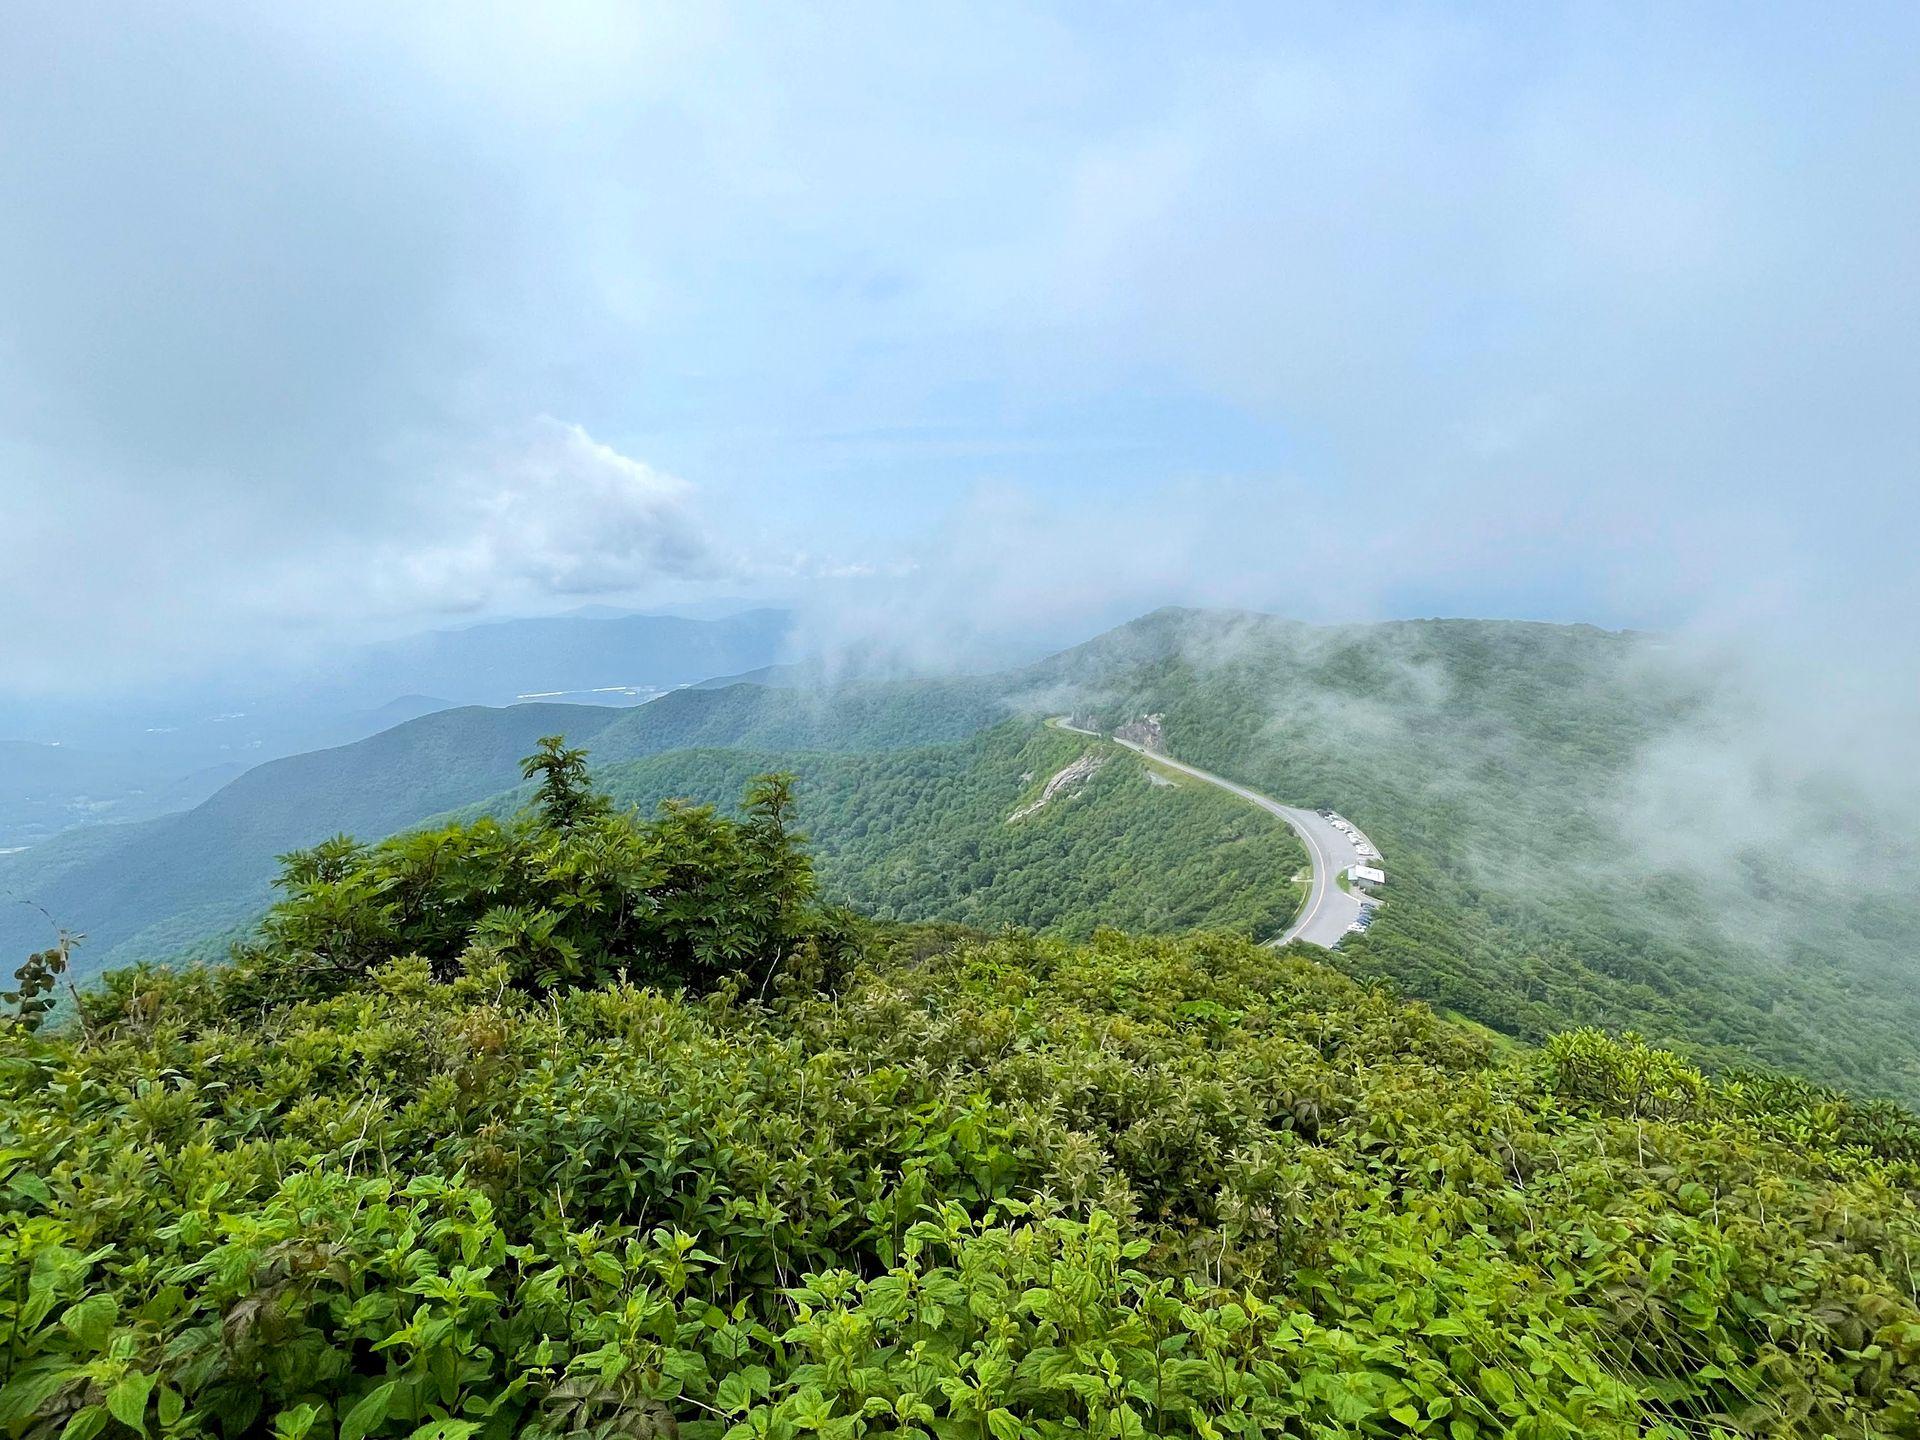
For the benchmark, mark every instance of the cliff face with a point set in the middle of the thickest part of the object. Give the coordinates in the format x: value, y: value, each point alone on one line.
x: 1145, y: 732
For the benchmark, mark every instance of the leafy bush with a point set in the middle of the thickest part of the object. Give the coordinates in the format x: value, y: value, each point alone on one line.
x: 1623, y: 1076
x: 1008, y: 1187
x: 569, y: 893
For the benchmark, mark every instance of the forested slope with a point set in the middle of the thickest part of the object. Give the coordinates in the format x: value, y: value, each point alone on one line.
x: 149, y: 890
x: 1491, y: 762
x: 926, y: 834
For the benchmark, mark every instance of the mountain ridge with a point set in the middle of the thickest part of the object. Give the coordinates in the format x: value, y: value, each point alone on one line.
x: 1486, y: 758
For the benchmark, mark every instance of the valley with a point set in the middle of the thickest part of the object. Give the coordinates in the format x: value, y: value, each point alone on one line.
x: 1484, y: 755
x: 122, y: 758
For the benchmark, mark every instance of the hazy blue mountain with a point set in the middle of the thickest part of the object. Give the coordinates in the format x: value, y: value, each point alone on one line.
x: 138, y: 755
x: 501, y: 661
x: 184, y: 876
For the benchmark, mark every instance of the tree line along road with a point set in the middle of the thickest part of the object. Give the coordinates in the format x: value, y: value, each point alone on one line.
x: 1328, y: 910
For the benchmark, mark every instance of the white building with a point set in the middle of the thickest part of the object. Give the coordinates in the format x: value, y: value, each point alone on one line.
x: 1366, y: 874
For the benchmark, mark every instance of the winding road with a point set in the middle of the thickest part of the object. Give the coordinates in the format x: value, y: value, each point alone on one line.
x: 1329, y: 910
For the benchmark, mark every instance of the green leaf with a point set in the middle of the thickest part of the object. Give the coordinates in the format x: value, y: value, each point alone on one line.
x: 24, y: 1395
x: 734, y: 1395
x: 33, y: 1187
x: 686, y: 1366
x: 172, y: 1407
x: 90, y: 1321
x: 367, y: 1416
x: 127, y: 1400
x: 86, y: 1423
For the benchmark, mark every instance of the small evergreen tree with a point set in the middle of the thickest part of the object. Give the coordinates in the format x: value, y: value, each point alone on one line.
x: 566, y: 795
x: 570, y: 894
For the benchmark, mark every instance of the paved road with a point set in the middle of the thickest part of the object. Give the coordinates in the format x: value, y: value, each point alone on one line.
x: 1329, y: 909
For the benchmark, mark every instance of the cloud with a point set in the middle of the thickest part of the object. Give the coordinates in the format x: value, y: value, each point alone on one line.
x: 551, y: 512
x: 1343, y: 314
x: 1809, y: 749
x: 518, y: 522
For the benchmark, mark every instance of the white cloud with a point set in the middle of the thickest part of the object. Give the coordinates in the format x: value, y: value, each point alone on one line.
x: 533, y: 515
x: 1570, y: 316
x: 548, y: 512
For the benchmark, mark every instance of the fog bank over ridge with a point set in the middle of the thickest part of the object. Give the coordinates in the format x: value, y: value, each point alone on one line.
x: 435, y: 315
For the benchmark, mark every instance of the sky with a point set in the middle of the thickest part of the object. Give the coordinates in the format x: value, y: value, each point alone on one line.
x: 325, y: 321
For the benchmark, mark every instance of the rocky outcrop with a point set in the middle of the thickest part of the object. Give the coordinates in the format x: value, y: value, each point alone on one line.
x: 1144, y: 732
x: 1062, y: 782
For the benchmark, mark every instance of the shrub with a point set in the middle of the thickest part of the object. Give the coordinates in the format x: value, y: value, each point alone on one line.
x: 571, y: 893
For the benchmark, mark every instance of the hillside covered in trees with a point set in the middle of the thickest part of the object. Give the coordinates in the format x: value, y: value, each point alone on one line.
x: 589, y: 1124
x: 953, y: 833
x: 1504, y: 769
x: 1537, y: 880
x: 151, y: 890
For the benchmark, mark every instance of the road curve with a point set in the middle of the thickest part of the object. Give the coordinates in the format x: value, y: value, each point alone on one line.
x: 1329, y: 910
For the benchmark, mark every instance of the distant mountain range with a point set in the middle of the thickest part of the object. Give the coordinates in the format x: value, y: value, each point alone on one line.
x: 141, y: 890
x: 134, y: 757
x: 502, y: 661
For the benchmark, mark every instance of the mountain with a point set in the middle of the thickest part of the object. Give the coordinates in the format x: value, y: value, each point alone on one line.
x: 1508, y: 771
x: 1501, y: 767
x: 503, y: 660
x: 143, y: 891
x: 134, y: 756
x: 596, y: 1122
x: 147, y: 889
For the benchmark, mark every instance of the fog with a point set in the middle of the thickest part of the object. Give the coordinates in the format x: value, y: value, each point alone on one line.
x: 970, y: 332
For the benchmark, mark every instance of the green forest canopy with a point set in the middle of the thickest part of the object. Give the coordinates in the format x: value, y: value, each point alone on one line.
x: 585, y: 1124
x: 927, y: 833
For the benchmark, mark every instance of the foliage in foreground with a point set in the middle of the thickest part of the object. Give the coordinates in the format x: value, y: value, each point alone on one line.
x: 570, y: 892
x: 1004, y: 1188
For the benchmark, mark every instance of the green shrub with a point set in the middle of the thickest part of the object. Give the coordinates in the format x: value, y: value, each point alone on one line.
x: 570, y: 893
x: 1005, y: 1186
x: 1623, y: 1076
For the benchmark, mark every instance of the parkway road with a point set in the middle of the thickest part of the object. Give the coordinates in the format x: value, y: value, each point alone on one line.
x: 1329, y: 910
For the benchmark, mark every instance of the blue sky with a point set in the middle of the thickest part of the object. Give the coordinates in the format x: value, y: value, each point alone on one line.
x: 970, y: 320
